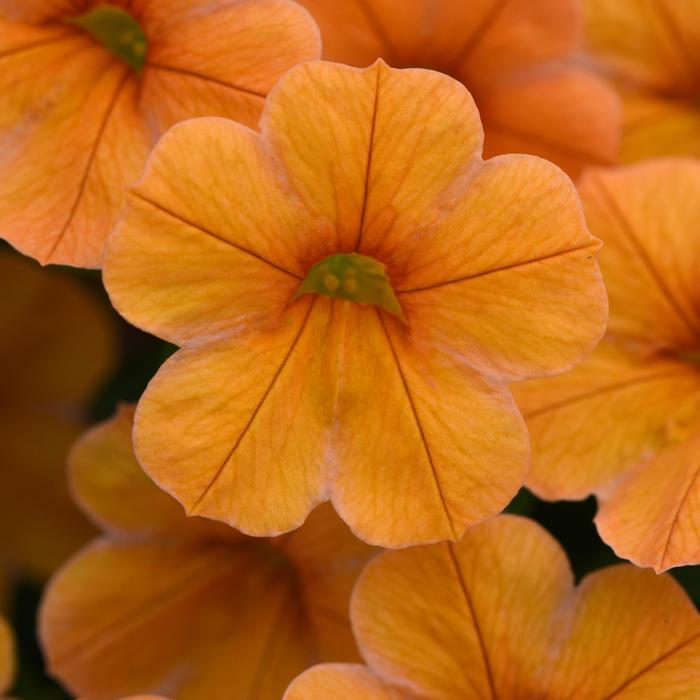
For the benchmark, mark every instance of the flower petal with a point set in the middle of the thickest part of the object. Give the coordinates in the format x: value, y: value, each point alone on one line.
x: 40, y: 10
x: 234, y: 54
x: 255, y: 459
x: 633, y: 636
x: 367, y: 160
x: 464, y: 620
x: 208, y: 198
x: 566, y: 115
x: 112, y: 489
x: 647, y: 216
x: 649, y: 42
x: 70, y: 131
x: 341, y: 682
x: 639, y: 405
x: 651, y: 516
x: 7, y: 656
x: 509, y: 283
x: 434, y: 451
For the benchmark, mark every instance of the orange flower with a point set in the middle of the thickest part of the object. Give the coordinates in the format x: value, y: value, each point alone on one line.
x: 7, y: 657
x: 497, y: 616
x: 186, y: 606
x: 246, y: 249
x: 87, y: 87
x: 57, y: 347
x: 651, y: 49
x: 515, y: 57
x: 626, y: 423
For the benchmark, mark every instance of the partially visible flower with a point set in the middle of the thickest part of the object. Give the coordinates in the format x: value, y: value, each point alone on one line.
x: 625, y: 424
x: 56, y: 347
x: 7, y: 657
x: 190, y: 607
x: 87, y: 88
x: 515, y: 57
x: 497, y: 616
x: 651, y: 50
x: 353, y: 289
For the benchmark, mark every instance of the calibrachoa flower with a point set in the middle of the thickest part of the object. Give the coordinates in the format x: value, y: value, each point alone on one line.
x: 626, y: 423
x: 497, y: 616
x: 651, y: 49
x: 185, y: 606
x: 57, y: 346
x: 87, y: 87
x: 353, y: 288
x: 7, y: 657
x: 516, y: 58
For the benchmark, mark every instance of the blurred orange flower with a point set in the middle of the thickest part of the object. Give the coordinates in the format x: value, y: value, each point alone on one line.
x: 186, y: 606
x: 626, y: 423
x: 247, y: 250
x: 7, y: 657
x: 86, y: 89
x: 57, y: 347
x: 497, y: 616
x: 516, y: 58
x: 651, y: 49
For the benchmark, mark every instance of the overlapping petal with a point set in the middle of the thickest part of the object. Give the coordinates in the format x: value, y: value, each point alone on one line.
x: 189, y: 607
x: 496, y: 615
x: 514, y: 57
x: 77, y: 124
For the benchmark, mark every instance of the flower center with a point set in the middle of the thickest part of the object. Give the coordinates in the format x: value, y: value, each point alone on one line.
x: 118, y: 32
x: 352, y: 277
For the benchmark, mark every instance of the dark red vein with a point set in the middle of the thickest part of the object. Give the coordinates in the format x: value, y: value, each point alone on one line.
x: 650, y: 666
x: 368, y: 168
x: 207, y: 78
x: 216, y: 236
x: 472, y: 611
x: 601, y: 391
x: 476, y: 275
x: 36, y: 44
x: 419, y: 425
x: 256, y: 411
x: 91, y: 159
x: 646, y: 260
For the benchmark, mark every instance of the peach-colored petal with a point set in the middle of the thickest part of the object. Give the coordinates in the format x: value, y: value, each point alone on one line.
x: 651, y: 517
x: 408, y: 467
x: 367, y: 159
x: 487, y: 37
x: 193, y: 619
x: 7, y: 657
x: 341, y: 682
x: 509, y: 283
x: 464, y: 620
x: 632, y: 636
x: 248, y: 45
x: 254, y: 458
x: 113, y: 490
x: 648, y: 42
x: 657, y: 125
x: 591, y: 424
x: 647, y: 217
x: 68, y: 122
x: 40, y: 10
x: 250, y: 226
x: 566, y: 115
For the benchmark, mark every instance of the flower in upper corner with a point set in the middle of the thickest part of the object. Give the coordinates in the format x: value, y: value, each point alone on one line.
x: 7, y: 658
x: 87, y: 88
x: 497, y: 616
x: 651, y: 50
x: 352, y: 290
x: 188, y: 607
x: 57, y: 347
x: 517, y: 59
x: 625, y: 425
